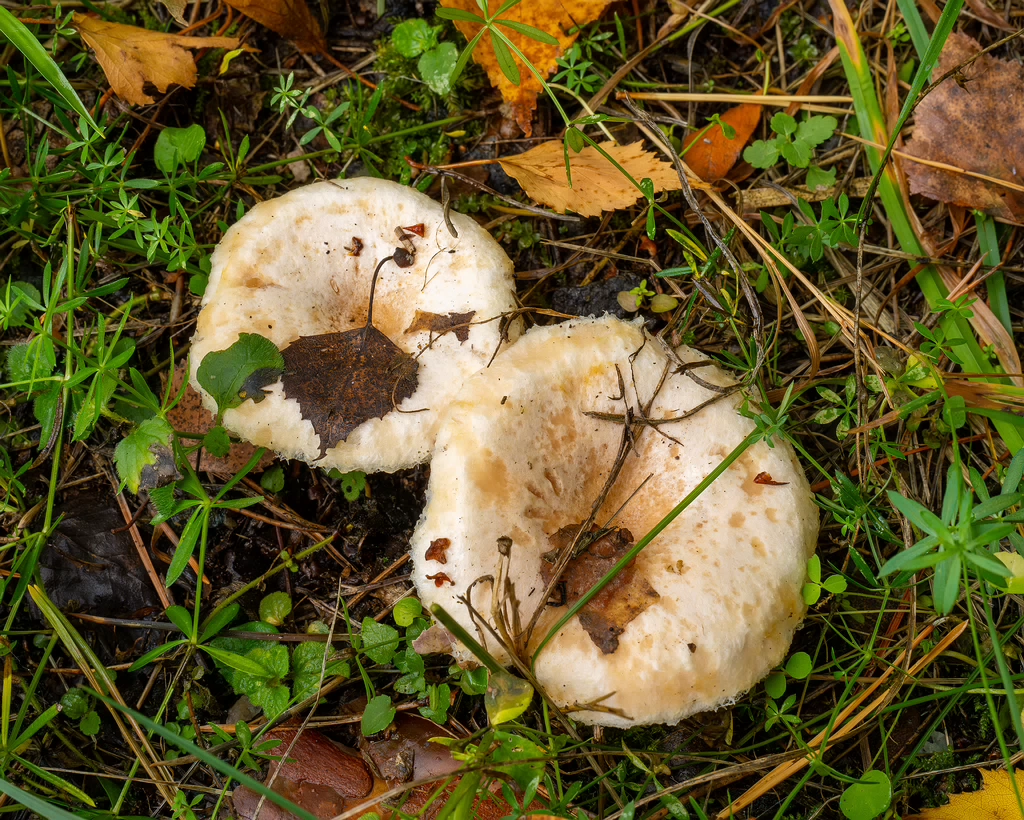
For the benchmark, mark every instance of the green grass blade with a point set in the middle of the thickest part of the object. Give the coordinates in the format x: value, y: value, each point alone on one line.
x: 25, y: 41
x: 872, y: 126
x: 33, y: 803
x: 915, y: 25
x: 988, y: 242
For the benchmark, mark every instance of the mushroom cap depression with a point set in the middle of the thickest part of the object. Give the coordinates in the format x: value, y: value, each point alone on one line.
x: 301, y: 265
x: 707, y: 608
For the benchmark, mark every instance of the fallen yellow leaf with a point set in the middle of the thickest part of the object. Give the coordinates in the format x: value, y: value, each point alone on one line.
x: 292, y: 19
x: 597, y: 185
x: 995, y: 801
x: 132, y: 56
x: 556, y: 17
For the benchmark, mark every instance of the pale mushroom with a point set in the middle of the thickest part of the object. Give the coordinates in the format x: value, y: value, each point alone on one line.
x: 302, y: 265
x: 705, y: 611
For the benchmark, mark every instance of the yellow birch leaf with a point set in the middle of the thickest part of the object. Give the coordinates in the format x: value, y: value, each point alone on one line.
x: 597, y: 185
x: 555, y: 17
x: 995, y: 801
x: 131, y: 57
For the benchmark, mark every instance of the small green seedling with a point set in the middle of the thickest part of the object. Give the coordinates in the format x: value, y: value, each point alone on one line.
x: 841, y: 408
x: 793, y: 141
x: 834, y: 584
x: 77, y: 704
x: 436, y: 64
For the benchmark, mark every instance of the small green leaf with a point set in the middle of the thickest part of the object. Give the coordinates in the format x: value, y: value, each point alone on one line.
x: 217, y: 442
x: 219, y: 622
x: 868, y: 798
x: 178, y: 146
x: 783, y: 124
x: 811, y: 593
x: 272, y: 480
x: 134, y: 452
x: 532, y: 32
x: 378, y: 715
x: 819, y: 178
x: 814, y: 568
x: 380, y: 641
x: 407, y: 610
x: 437, y: 67
x: 241, y: 371
x: 836, y: 584
x: 799, y: 666
x: 814, y: 131
x: 775, y: 685
x: 762, y: 154
x: 413, y: 37
x: 353, y: 485
x: 506, y: 62
x: 90, y: 724
x: 75, y: 703
x: 275, y: 607
x: 186, y: 546
x: 181, y: 618
x: 460, y: 15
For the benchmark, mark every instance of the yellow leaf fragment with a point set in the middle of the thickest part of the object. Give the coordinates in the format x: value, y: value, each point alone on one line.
x: 292, y: 19
x: 131, y: 57
x: 995, y: 801
x: 597, y: 185
x: 556, y: 17
x: 176, y: 9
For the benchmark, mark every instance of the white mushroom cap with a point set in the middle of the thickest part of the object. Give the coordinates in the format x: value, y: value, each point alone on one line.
x: 301, y: 265
x: 517, y: 457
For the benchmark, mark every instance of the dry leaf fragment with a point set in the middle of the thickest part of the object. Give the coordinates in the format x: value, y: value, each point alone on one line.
x: 995, y: 801
x: 556, y: 17
x: 291, y: 19
x: 628, y: 594
x: 713, y: 155
x: 131, y: 56
x: 978, y: 126
x: 176, y: 9
x: 597, y: 185
x: 457, y: 323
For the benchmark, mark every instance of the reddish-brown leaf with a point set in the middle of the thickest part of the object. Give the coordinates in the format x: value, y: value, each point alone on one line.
x: 711, y: 155
x: 974, y: 122
x: 291, y: 19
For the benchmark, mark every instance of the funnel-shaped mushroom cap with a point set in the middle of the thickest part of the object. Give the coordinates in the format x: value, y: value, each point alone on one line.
x: 301, y: 265
x: 706, y: 610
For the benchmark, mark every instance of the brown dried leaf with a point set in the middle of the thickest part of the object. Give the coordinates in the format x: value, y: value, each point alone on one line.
x: 556, y: 17
x: 597, y: 185
x: 978, y: 127
x: 291, y: 19
x: 625, y: 597
x: 440, y: 323
x: 341, y: 380
x: 132, y: 56
x: 317, y: 775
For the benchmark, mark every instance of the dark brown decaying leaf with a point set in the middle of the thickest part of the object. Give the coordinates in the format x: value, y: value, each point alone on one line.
x: 291, y: 19
x: 441, y: 323
x: 978, y: 127
x: 625, y: 597
x: 341, y: 380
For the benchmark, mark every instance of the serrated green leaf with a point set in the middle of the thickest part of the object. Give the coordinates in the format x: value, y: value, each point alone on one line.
x: 762, y: 154
x: 814, y: 131
x: 217, y: 442
x: 135, y: 451
x: 241, y: 371
x: 784, y: 124
x: 380, y: 641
